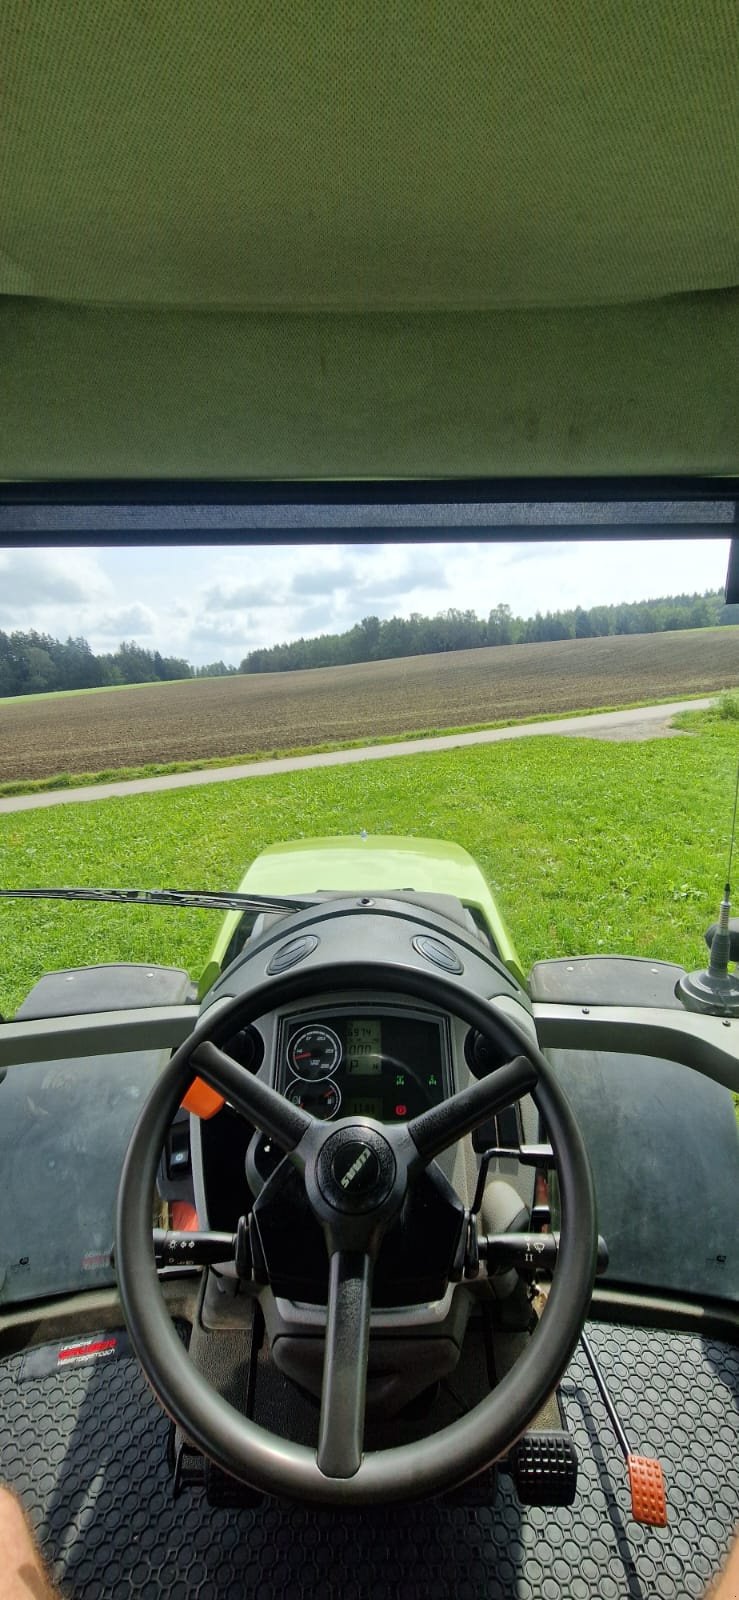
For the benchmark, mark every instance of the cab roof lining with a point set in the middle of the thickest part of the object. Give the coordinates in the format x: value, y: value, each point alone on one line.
x: 400, y: 240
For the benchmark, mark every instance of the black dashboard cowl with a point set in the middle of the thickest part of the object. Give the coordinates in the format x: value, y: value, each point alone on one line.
x: 385, y: 930
x: 109, y: 986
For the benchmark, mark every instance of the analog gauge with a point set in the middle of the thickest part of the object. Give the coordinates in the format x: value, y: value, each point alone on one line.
x: 321, y: 1098
x: 314, y: 1053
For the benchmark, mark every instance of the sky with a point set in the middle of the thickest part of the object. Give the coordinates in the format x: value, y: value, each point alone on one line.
x: 210, y: 604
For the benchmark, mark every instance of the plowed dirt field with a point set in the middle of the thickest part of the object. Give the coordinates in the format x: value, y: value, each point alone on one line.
x: 226, y: 717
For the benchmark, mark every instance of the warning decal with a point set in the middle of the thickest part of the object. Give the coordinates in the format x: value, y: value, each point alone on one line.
x: 80, y: 1352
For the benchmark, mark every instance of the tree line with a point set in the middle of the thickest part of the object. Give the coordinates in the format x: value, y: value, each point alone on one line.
x: 35, y: 663
x: 373, y: 639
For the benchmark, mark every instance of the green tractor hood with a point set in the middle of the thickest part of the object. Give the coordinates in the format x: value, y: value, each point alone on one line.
x: 369, y: 862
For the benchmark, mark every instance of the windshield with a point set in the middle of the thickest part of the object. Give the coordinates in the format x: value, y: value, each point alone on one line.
x: 168, y: 713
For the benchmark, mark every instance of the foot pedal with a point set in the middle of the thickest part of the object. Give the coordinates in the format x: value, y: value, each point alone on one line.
x: 479, y: 1491
x: 646, y: 1478
x: 223, y: 1490
x: 188, y: 1471
x: 544, y: 1469
x: 647, y: 1485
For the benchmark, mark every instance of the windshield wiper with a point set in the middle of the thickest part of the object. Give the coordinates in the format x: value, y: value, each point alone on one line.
x: 196, y: 899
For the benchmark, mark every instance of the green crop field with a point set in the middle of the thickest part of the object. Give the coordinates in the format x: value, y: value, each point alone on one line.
x: 194, y: 721
x: 590, y: 846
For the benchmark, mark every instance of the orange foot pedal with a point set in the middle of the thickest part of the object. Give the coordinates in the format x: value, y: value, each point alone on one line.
x: 646, y: 1479
x: 647, y: 1484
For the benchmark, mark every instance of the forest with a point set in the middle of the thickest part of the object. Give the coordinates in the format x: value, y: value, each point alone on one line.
x: 36, y: 663
x: 375, y: 640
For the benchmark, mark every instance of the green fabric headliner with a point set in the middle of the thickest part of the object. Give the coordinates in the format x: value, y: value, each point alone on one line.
x: 362, y: 238
x: 646, y: 388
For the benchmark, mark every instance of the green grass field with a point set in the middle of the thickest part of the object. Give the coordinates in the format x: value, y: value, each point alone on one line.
x: 590, y: 846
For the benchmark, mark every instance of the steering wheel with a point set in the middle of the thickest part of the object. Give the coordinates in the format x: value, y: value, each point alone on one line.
x: 356, y: 1174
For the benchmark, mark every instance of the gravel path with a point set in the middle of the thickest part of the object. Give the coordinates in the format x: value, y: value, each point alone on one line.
x: 642, y: 722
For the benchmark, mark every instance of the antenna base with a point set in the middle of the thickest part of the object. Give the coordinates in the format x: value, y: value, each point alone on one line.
x: 715, y: 994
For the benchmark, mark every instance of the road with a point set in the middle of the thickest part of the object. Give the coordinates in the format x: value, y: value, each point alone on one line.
x: 642, y: 722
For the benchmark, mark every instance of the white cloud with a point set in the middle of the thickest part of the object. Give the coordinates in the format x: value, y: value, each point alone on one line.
x: 230, y: 634
x: 128, y: 622
x: 239, y: 596
x: 34, y: 581
x: 538, y: 552
x: 381, y: 571
x: 323, y: 581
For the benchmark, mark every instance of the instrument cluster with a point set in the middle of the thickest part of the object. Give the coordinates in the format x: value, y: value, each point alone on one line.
x: 385, y: 1064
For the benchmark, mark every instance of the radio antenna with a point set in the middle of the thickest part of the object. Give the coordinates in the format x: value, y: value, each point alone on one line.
x: 727, y: 891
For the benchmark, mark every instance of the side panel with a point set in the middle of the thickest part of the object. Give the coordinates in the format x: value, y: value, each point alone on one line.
x: 663, y: 1144
x: 64, y: 1128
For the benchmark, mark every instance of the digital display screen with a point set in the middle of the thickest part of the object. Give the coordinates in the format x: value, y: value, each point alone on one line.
x: 364, y: 1048
x: 369, y: 1107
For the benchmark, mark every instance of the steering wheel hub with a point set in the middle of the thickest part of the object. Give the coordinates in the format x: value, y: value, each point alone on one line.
x: 356, y: 1170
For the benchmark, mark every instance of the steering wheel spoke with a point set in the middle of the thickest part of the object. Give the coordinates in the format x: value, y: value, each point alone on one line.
x: 271, y: 1112
x: 344, y: 1388
x: 434, y: 1130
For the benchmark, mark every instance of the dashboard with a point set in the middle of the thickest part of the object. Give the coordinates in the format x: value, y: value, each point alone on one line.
x: 361, y: 1058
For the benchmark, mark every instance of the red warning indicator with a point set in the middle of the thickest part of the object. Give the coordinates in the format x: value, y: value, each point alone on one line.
x: 401, y: 1111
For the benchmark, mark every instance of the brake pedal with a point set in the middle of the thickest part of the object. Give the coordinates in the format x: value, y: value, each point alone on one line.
x: 188, y: 1470
x: 544, y: 1469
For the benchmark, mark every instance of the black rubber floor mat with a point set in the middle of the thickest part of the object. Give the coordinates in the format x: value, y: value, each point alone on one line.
x: 85, y: 1448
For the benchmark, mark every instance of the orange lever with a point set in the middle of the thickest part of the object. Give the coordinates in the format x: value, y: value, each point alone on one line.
x: 201, y: 1100
x: 647, y: 1485
x: 646, y: 1479
x: 184, y: 1217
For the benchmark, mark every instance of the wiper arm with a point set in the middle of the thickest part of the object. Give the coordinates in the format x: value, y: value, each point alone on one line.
x: 196, y: 899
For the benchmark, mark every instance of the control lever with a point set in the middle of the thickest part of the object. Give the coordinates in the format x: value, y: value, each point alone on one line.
x: 529, y: 1155
x: 529, y: 1252
x: 646, y: 1479
x: 186, y: 1249
x: 192, y: 1249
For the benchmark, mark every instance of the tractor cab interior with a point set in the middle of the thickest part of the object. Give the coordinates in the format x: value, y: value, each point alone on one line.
x: 369, y: 1264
